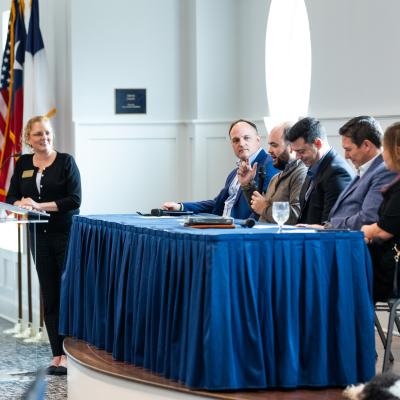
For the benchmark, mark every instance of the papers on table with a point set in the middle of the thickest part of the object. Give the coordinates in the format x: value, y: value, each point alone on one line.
x: 269, y: 226
x: 154, y: 217
x: 285, y: 228
x: 299, y: 230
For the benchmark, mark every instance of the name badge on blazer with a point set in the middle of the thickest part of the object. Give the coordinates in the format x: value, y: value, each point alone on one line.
x: 28, y: 173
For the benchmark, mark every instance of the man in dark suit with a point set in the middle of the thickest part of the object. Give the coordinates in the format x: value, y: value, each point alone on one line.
x: 246, y: 144
x: 328, y: 173
x: 358, y: 204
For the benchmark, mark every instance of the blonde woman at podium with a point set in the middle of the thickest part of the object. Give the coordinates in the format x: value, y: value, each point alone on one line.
x: 47, y: 180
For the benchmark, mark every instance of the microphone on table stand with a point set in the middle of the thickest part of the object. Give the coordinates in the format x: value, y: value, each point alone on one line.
x: 246, y: 223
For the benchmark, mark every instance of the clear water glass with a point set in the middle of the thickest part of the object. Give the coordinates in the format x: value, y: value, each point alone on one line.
x: 280, y: 213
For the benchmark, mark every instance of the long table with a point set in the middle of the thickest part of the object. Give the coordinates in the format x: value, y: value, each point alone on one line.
x: 222, y: 309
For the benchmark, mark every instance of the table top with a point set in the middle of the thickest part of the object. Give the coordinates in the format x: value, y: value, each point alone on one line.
x: 176, y: 225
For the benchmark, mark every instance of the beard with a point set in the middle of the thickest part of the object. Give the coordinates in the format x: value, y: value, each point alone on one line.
x: 280, y: 164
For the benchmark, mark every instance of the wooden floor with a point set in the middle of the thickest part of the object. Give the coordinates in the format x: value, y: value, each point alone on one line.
x: 102, y: 361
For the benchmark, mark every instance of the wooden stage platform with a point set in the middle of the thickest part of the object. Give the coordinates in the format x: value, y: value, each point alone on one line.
x: 88, y: 357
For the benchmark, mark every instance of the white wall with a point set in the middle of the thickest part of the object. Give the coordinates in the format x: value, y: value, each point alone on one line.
x: 355, y: 54
x: 188, y: 55
x: 217, y: 59
x: 128, y: 162
x: 252, y: 27
x: 355, y: 58
x: 202, y: 63
x: 118, y: 46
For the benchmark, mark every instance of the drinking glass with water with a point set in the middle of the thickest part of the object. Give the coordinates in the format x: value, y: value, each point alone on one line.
x: 280, y: 213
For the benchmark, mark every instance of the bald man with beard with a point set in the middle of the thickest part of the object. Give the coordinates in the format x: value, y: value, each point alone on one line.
x: 284, y: 186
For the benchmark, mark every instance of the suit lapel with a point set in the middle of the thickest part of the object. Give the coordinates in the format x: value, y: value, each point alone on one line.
x: 307, y: 182
x: 352, y: 186
x: 355, y: 183
x: 346, y: 192
x: 326, y: 162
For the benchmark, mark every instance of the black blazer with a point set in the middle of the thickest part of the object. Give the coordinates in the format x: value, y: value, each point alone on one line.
x: 60, y: 182
x: 382, y: 252
x: 333, y: 175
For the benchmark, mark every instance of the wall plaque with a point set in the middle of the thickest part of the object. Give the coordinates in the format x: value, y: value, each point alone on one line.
x: 130, y: 101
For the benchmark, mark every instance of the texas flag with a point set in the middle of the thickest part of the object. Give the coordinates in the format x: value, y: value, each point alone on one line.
x: 38, y: 91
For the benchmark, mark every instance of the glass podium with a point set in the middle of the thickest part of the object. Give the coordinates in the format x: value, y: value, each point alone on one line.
x: 10, y: 214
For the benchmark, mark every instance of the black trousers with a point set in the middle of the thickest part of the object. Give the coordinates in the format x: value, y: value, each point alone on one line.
x: 383, y: 264
x: 48, y: 251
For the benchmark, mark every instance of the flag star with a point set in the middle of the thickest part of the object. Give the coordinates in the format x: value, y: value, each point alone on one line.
x: 8, y: 51
x: 5, y: 59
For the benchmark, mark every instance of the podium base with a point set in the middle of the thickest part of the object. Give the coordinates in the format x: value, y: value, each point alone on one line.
x: 39, y: 337
x: 17, y: 328
x: 27, y: 333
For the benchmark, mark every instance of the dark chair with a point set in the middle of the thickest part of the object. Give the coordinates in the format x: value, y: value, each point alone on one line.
x: 391, y: 254
x: 392, y: 307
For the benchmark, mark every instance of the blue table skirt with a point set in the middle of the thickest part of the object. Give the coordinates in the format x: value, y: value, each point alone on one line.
x: 222, y: 309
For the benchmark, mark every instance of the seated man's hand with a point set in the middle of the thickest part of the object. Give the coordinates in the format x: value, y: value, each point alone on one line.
x: 246, y: 172
x: 258, y: 203
x: 170, y: 205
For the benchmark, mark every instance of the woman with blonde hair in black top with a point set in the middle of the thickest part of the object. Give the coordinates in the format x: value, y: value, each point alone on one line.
x: 383, y: 237
x: 47, y: 180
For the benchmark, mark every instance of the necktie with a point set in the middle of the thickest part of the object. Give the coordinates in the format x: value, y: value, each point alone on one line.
x: 309, y: 189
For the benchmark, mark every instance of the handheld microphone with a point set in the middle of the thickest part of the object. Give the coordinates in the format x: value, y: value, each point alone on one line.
x: 8, y: 158
x: 261, y: 178
x: 246, y: 223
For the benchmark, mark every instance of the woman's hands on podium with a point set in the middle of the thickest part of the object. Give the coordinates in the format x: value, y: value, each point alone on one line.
x: 29, y: 204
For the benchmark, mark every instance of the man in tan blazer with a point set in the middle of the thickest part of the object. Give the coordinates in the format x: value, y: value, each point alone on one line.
x: 284, y: 186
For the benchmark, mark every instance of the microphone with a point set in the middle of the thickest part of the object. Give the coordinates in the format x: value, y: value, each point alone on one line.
x: 261, y: 179
x: 12, y: 155
x: 158, y: 212
x: 246, y: 223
